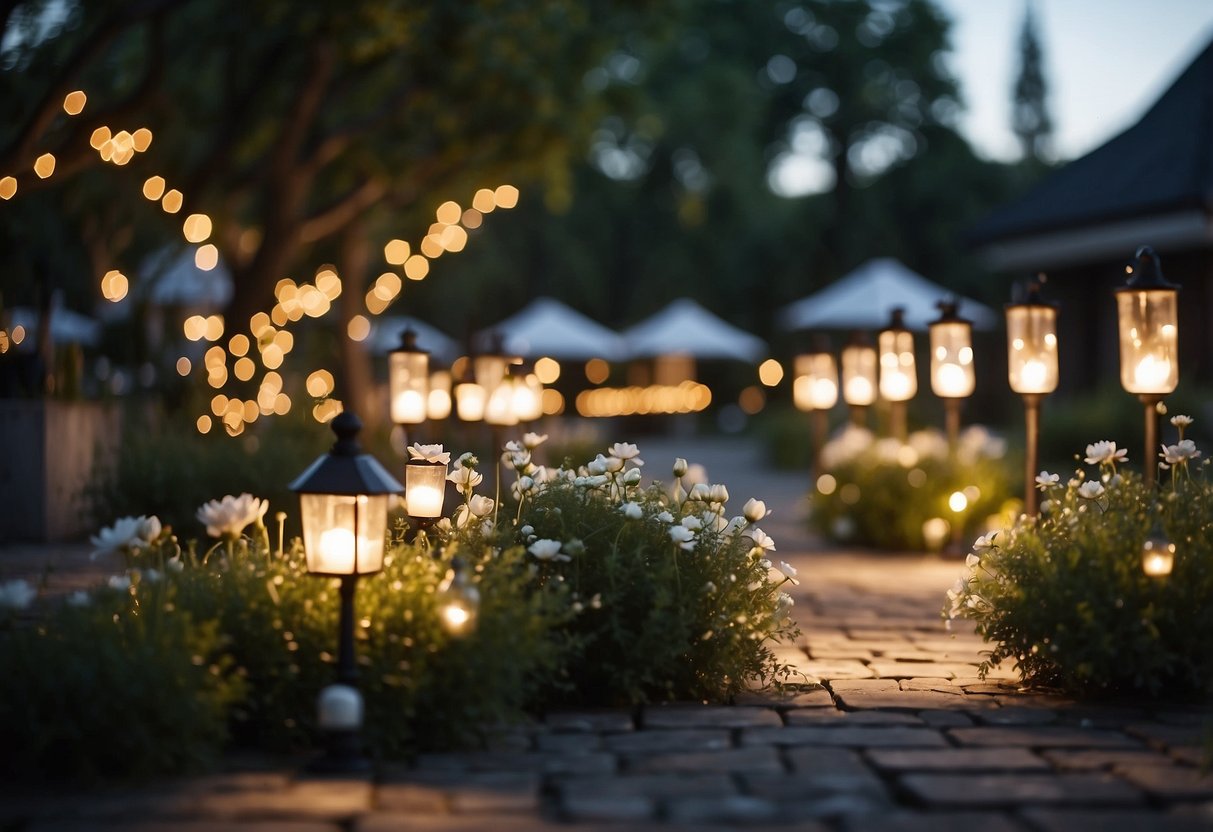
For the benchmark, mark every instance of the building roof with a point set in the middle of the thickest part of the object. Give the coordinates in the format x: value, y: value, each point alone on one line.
x: 1162, y: 166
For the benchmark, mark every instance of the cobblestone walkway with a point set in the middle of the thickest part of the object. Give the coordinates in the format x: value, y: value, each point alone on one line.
x: 893, y: 730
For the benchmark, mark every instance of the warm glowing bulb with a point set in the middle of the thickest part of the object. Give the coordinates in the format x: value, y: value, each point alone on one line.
x: 336, y: 553
x: 1032, y: 375
x: 958, y: 502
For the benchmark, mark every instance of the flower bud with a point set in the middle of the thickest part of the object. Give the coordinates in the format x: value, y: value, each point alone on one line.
x: 680, y: 467
x: 754, y: 510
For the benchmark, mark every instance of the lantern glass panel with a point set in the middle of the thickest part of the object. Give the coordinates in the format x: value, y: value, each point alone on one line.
x: 438, y: 402
x: 816, y: 384
x: 409, y: 377
x: 952, y: 374
x: 424, y: 488
x: 499, y: 409
x: 470, y: 399
x: 1149, y: 334
x: 489, y: 370
x: 898, y: 374
x: 859, y: 375
x: 343, y: 534
x: 1032, y: 348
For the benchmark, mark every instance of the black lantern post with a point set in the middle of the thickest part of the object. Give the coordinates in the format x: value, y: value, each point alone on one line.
x: 343, y: 500
x: 898, y: 374
x: 1148, y: 313
x: 952, y: 374
x: 1032, y: 372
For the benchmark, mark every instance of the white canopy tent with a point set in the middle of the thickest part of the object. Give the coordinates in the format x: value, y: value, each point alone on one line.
x: 386, y: 332
x: 685, y: 327
x: 176, y: 281
x: 67, y: 327
x: 547, y: 327
x: 864, y: 298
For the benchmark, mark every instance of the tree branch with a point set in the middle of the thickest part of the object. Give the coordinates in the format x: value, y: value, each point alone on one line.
x: 341, y: 213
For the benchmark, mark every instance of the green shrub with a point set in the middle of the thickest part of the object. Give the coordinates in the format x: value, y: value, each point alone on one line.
x: 894, y: 495
x: 128, y: 685
x: 1066, y: 597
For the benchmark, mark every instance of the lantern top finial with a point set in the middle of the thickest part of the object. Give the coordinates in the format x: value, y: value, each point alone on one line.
x: 347, y: 426
x: 408, y: 341
x: 948, y: 313
x: 897, y: 318
x: 1146, y: 272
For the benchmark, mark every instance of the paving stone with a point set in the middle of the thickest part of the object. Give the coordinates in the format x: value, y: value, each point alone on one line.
x: 497, y: 822
x: 1165, y: 736
x: 803, y: 784
x: 840, y: 686
x: 839, y: 653
x: 995, y: 790
x: 729, y: 809
x: 934, y: 670
x: 836, y: 805
x: 1068, y: 760
x: 591, y: 721
x: 672, y: 739
x: 653, y: 786
x: 1043, y: 736
x: 795, y: 696
x: 826, y: 761
x: 823, y: 716
x: 837, y: 669
x: 989, y: 688
x: 896, y: 736
x: 1017, y: 715
x: 957, y: 759
x: 932, y: 684
x: 497, y: 791
x: 757, y: 758
x: 1170, y: 782
x: 945, y: 719
x: 546, y: 762
x: 414, y: 798
x: 624, y: 808
x: 912, y: 700
x: 906, y: 821
x: 571, y: 743
x: 1193, y: 755
x: 1117, y: 820
x: 701, y: 716
x: 318, y: 798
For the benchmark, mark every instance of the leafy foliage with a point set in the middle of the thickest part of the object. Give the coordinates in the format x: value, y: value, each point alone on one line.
x: 883, y: 493
x: 1066, y: 597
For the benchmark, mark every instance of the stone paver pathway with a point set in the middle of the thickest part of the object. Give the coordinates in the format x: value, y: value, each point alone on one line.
x: 891, y: 730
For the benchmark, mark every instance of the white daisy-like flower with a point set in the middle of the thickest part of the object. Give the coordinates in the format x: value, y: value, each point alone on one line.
x: 1046, y: 480
x: 464, y: 478
x: 548, y: 550
x: 692, y: 522
x: 632, y: 511
x: 1091, y: 490
x: 665, y: 517
x: 1181, y: 421
x: 789, y: 572
x: 17, y: 594
x: 531, y: 441
x: 229, y: 517
x: 626, y: 451
x: 429, y: 453
x: 1105, y: 451
x: 972, y: 561
x: 760, y: 539
x: 1180, y: 452
x: 984, y: 543
x: 683, y: 536
x: 718, y: 494
x: 754, y: 510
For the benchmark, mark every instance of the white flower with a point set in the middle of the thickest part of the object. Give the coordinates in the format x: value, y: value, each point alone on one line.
x: 665, y: 517
x: 760, y: 539
x: 713, y: 521
x: 149, y: 529
x: 680, y: 467
x: 527, y: 529
x: 783, y: 605
x: 1045, y: 480
x: 683, y: 536
x: 789, y: 571
x: 699, y: 492
x: 467, y: 460
x: 709, y: 587
x: 626, y: 451
x: 1105, y: 451
x: 517, y: 459
x: 1181, y: 421
x: 465, y: 479
x: 596, y: 481
x: 531, y: 441
x: 984, y: 543
x: 124, y: 534
x: 632, y: 511
x: 734, y: 525
x: 481, y: 506
x: 119, y: 582
x: 692, y: 522
x: 597, y: 466
x: 631, y: 476
x: 229, y: 516
x: 972, y: 560
x: 16, y: 594
x: 754, y: 510
x: 545, y: 549
x: 718, y: 494
x: 1180, y: 452
x: 429, y: 453
x: 1091, y: 490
